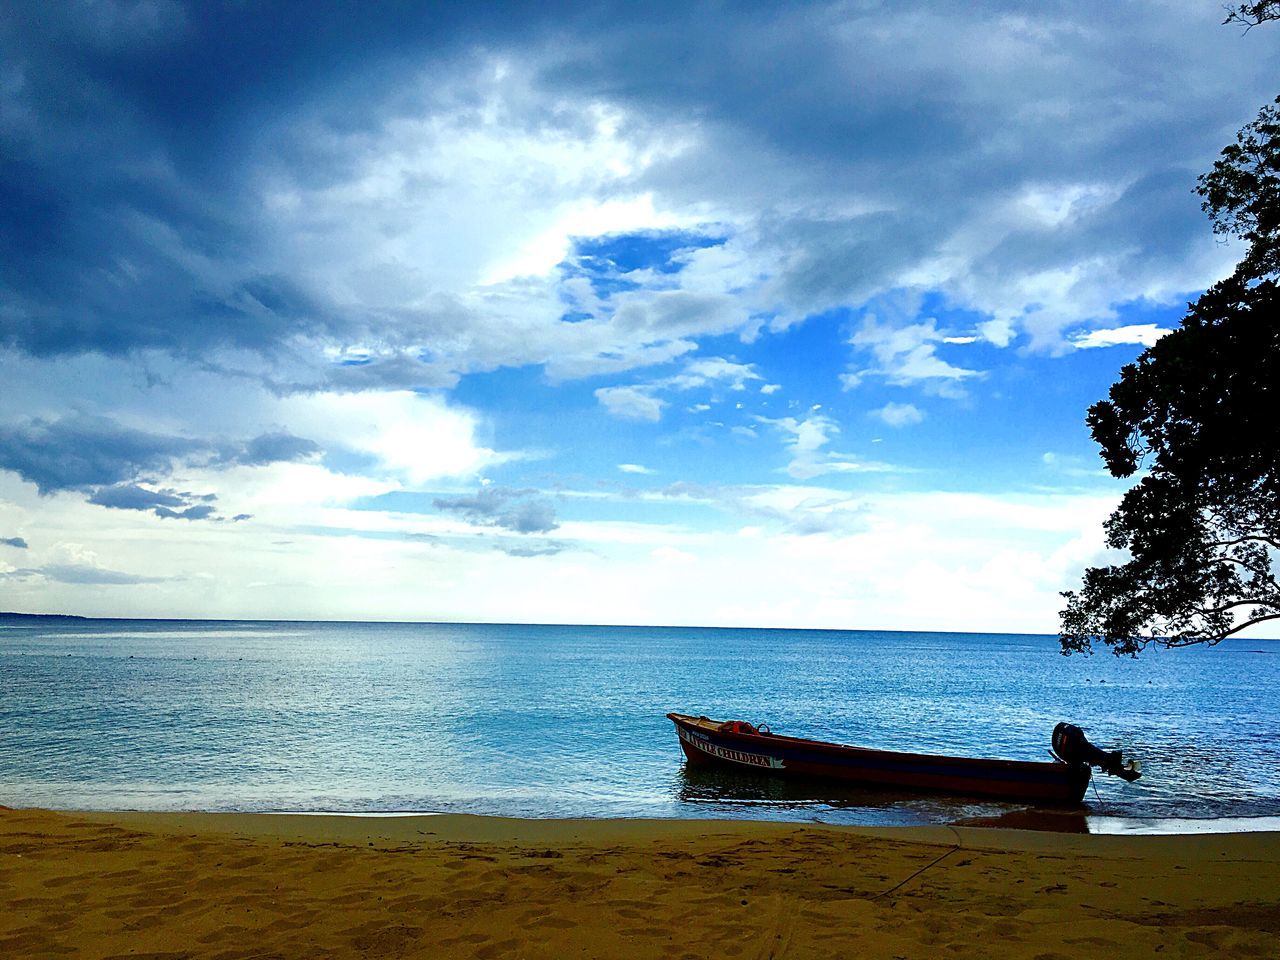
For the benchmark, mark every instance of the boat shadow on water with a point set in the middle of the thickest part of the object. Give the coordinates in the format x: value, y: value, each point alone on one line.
x: 747, y: 793
x: 699, y: 784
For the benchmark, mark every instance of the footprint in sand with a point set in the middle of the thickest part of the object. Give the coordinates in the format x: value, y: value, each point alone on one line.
x: 503, y: 948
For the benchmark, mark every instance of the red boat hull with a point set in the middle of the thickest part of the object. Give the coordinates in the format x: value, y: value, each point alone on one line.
x: 705, y: 741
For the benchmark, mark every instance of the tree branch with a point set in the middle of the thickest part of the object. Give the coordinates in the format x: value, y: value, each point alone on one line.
x: 1248, y: 538
x: 1250, y: 623
x: 1273, y: 602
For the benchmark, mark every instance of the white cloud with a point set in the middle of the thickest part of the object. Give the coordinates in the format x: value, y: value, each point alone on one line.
x: 806, y: 439
x: 634, y: 468
x: 791, y: 555
x: 506, y: 193
x: 702, y: 372
x: 641, y: 401
x: 898, y: 414
x: 999, y: 332
x: 416, y: 437
x: 287, y: 492
x: 442, y: 234
x: 906, y: 355
x: 1140, y: 333
x: 631, y: 403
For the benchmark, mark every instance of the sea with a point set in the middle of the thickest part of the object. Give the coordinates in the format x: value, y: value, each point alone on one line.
x: 569, y: 721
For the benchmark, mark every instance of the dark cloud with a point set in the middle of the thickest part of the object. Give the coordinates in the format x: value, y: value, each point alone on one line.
x: 878, y: 134
x: 861, y: 137
x: 130, y: 496
x: 116, y: 465
x: 509, y: 509
x: 82, y: 452
x: 18, y: 542
x: 167, y: 503
x: 1151, y: 225
x: 75, y: 453
x: 129, y: 132
x: 201, y: 511
x: 274, y: 448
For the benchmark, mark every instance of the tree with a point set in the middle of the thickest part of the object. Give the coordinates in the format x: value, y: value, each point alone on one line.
x: 1253, y: 14
x: 1200, y: 410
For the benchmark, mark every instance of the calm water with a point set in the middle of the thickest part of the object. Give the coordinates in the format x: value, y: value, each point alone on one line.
x: 548, y: 721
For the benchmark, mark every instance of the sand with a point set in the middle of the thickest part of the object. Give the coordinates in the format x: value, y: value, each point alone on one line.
x: 224, y: 885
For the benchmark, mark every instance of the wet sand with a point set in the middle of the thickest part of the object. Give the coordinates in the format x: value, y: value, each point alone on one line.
x: 108, y: 885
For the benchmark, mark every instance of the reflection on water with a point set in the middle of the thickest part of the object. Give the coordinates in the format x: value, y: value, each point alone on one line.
x: 730, y: 790
x: 710, y: 784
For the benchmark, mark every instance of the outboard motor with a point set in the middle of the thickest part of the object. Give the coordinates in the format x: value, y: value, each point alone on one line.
x: 1071, y: 746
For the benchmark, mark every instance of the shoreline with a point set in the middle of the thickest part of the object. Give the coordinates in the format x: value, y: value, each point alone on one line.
x: 1043, y: 820
x: 402, y: 828
x: 107, y: 885
x: 465, y: 828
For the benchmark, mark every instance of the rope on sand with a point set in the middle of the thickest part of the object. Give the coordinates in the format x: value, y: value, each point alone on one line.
x: 932, y: 863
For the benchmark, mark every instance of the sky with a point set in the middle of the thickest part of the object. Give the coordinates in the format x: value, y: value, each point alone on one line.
x: 749, y: 314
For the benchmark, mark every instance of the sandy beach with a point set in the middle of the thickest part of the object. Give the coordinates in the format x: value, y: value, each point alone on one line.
x: 108, y: 885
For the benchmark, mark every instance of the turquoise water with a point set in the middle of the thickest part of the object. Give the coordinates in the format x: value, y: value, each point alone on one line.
x: 548, y: 721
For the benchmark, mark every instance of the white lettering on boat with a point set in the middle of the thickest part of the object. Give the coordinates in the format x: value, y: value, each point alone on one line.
x: 724, y: 753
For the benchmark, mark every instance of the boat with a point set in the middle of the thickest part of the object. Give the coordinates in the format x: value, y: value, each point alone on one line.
x: 1059, y: 781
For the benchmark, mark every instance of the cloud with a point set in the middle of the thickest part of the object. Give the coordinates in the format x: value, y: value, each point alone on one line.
x: 631, y: 403
x: 906, y: 355
x: 798, y: 510
x: 79, y: 452
x: 641, y: 401
x: 898, y: 414
x: 548, y: 548
x: 83, y: 574
x: 1145, y: 334
x: 509, y: 509
x: 633, y: 468
x: 806, y: 440
x: 418, y: 437
x: 404, y: 200
x: 18, y: 542
x: 165, y: 503
x: 117, y: 466
x: 73, y: 564
x: 273, y: 448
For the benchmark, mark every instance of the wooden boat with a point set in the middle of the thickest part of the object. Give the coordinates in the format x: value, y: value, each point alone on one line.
x: 1059, y: 781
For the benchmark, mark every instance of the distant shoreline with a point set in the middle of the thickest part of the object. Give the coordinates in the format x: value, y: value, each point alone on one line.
x: 14, y: 617
x: 43, y: 616
x: 504, y: 623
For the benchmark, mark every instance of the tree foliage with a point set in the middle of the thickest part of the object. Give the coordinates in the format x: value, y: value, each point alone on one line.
x: 1242, y: 194
x: 1200, y: 412
x: 1253, y: 14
